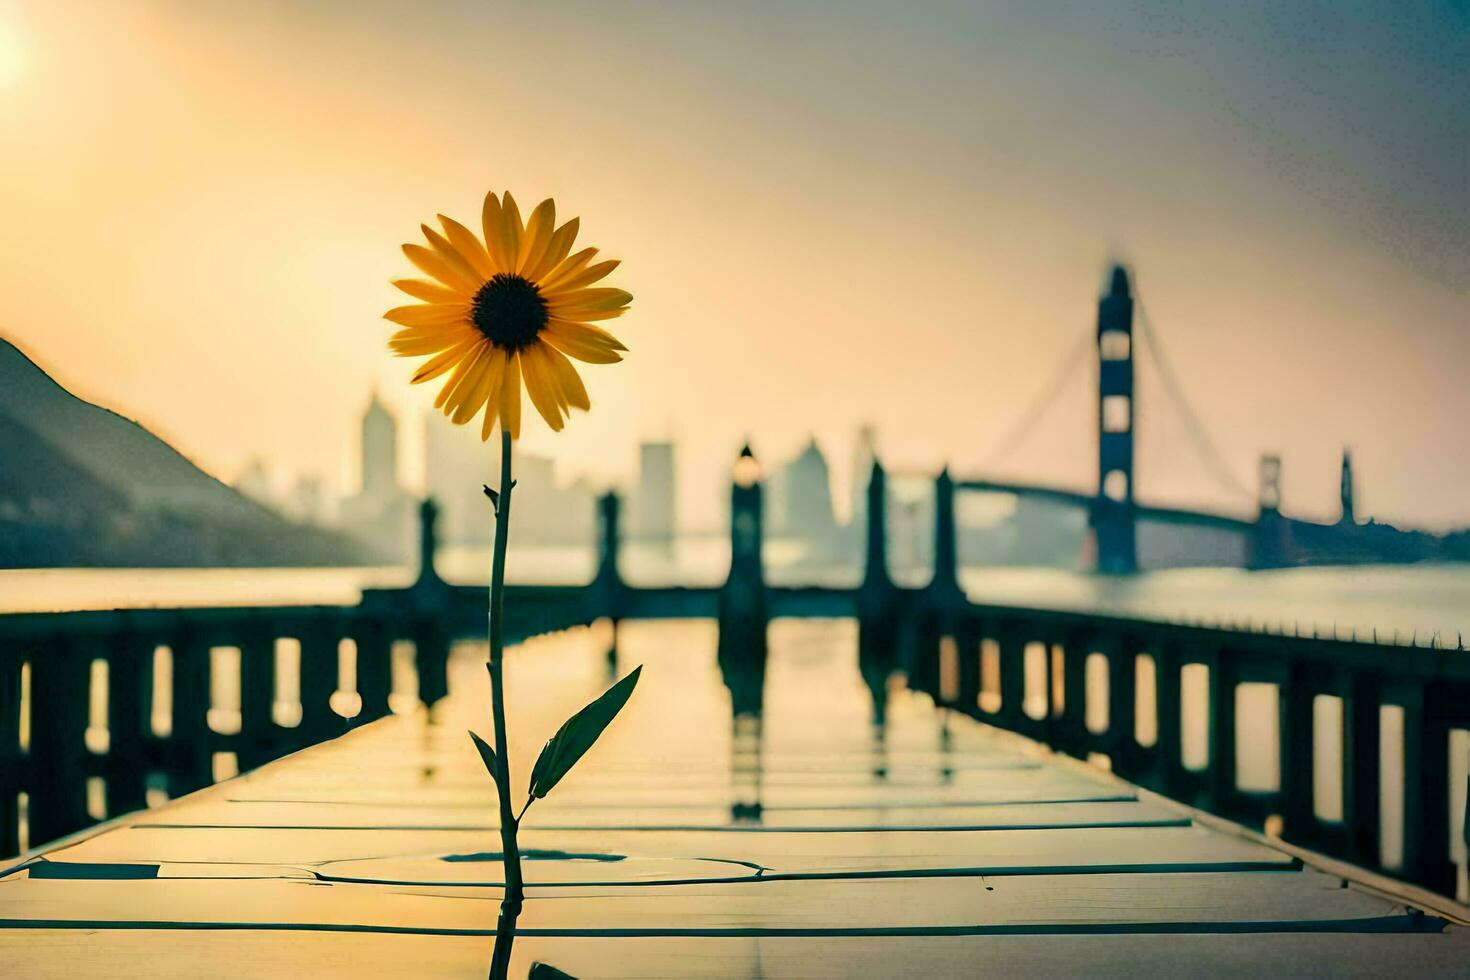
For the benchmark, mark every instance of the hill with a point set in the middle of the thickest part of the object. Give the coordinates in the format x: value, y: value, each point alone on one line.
x: 82, y: 485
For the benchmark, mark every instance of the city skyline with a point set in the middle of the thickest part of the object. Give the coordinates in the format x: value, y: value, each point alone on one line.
x: 1311, y: 291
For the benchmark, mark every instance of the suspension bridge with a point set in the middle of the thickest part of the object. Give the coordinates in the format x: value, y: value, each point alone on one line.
x: 1126, y: 534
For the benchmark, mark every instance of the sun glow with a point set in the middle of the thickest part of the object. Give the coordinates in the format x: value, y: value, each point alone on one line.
x: 12, y: 56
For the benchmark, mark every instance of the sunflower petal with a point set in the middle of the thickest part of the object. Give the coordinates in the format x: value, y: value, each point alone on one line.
x: 407, y: 343
x: 445, y: 399
x: 469, y: 246
x: 542, y: 352
x: 541, y: 387
x: 586, y: 315
x: 511, y: 231
x: 579, y: 348
x: 556, y: 250
x: 492, y: 221
x: 480, y: 387
x: 590, y: 300
x: 510, y: 396
x: 430, y: 262
x: 584, y: 332
x: 492, y: 413
x: 567, y: 378
x: 430, y: 292
x: 452, y: 256
x: 568, y: 267
x: 429, y: 315
x: 436, y: 366
x: 457, y: 407
x: 586, y: 277
x: 538, y: 235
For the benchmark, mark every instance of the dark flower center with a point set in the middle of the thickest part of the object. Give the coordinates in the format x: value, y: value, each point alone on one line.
x: 509, y: 311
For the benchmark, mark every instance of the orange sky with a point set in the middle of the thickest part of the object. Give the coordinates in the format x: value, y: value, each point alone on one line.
x: 824, y: 219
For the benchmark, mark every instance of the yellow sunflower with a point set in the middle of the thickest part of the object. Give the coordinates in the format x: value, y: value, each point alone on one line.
x: 511, y: 307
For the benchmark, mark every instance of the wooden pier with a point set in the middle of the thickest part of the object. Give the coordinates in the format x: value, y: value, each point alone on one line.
x: 804, y: 842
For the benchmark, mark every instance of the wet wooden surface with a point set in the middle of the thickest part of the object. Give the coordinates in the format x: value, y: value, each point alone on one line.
x: 687, y: 845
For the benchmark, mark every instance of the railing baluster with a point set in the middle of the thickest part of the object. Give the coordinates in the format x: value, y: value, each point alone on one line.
x: 13, y: 762
x: 257, y: 742
x: 1122, y: 700
x: 431, y: 658
x: 1361, y: 789
x: 129, y: 687
x: 1074, y: 737
x: 1222, y: 729
x: 60, y: 673
x: 319, y: 655
x: 190, y: 743
x: 1297, y: 753
x: 1012, y: 649
x: 1168, y: 750
x: 374, y: 669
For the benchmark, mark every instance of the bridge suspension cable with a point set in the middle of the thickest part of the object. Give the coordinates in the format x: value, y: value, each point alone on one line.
x: 1199, y: 437
x: 1018, y: 432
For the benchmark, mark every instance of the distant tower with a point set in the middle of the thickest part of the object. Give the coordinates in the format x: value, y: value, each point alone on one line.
x: 1270, y: 483
x: 1112, y: 517
x: 655, y: 498
x: 379, y: 450
x: 1346, y: 492
x: 809, y: 497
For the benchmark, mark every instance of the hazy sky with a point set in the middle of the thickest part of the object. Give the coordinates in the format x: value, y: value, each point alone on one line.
x: 898, y: 213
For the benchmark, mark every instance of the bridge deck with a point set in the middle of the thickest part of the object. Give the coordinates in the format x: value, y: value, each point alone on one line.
x: 920, y: 853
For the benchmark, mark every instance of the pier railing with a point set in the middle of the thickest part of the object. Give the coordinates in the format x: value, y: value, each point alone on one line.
x: 99, y: 710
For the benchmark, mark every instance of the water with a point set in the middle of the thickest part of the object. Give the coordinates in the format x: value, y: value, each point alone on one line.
x: 1423, y: 601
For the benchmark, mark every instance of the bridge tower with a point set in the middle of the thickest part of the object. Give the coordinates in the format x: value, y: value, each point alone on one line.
x: 1271, y: 546
x: 1112, y: 516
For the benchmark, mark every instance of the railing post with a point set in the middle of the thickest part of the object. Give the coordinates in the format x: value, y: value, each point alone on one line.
x: 877, y: 599
x: 945, y: 585
x: 60, y: 673
x: 607, y: 591
x: 129, y: 701
x: 742, y: 603
x: 430, y: 598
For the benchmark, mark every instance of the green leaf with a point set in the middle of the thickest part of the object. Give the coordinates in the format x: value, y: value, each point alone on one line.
x: 487, y: 754
x: 581, y: 730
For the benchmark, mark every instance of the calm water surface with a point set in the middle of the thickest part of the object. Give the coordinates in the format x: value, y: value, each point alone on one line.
x: 1430, y: 601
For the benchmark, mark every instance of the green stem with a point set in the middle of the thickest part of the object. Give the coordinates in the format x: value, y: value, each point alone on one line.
x: 510, y: 905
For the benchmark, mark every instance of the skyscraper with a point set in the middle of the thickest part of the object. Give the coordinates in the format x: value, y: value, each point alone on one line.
x: 808, y: 498
x: 379, y: 450
x: 654, y: 514
x: 457, y: 464
x: 381, y: 514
